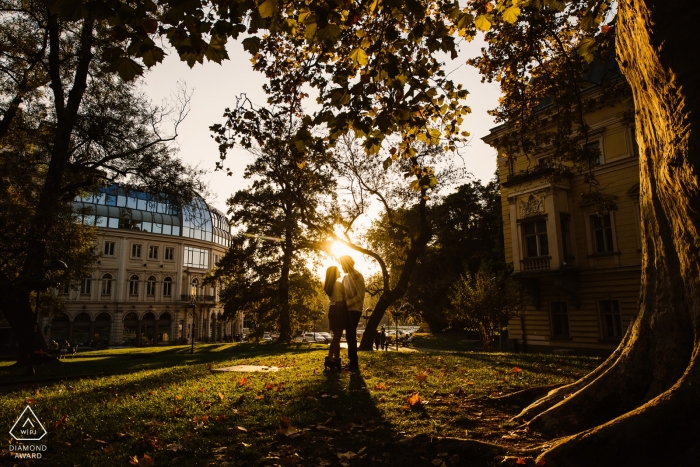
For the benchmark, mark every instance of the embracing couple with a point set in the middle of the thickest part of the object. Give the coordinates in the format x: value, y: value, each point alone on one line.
x: 346, y: 302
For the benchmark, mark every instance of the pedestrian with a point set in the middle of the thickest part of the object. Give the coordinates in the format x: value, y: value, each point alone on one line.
x: 337, y: 316
x: 354, y: 286
x: 382, y: 338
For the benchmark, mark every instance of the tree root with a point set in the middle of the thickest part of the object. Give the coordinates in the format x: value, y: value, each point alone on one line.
x: 664, y: 431
x: 526, y: 396
x: 557, y: 395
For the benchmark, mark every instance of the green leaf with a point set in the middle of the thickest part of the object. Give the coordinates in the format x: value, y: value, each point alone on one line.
x: 510, y: 15
x: 387, y: 162
x: 268, y: 8
x: 216, y: 50
x: 586, y: 49
x: 483, y: 22
x: 359, y: 57
x: 252, y: 44
x: 127, y: 68
x: 152, y: 56
x: 465, y: 20
x: 330, y: 32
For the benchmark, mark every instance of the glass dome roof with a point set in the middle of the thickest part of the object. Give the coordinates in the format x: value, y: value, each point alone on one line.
x: 117, y: 208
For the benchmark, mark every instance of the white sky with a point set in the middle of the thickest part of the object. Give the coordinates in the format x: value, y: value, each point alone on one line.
x: 216, y: 86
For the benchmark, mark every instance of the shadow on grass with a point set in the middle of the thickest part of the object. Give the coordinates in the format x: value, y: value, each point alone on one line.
x: 116, y: 361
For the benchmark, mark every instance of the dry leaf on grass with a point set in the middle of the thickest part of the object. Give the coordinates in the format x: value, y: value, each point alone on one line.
x: 145, y: 461
x: 516, y: 370
x: 286, y: 427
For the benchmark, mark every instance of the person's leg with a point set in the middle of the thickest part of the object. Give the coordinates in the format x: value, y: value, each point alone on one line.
x: 351, y: 338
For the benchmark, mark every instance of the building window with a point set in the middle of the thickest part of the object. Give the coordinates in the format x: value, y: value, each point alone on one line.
x: 109, y: 248
x: 135, y: 250
x: 151, y: 286
x: 567, y: 247
x: 594, y: 153
x: 169, y: 253
x: 134, y: 285
x: 560, y: 319
x: 152, y: 252
x: 107, y: 284
x: 602, y: 234
x: 196, y: 258
x: 610, y: 316
x: 167, y: 287
x: 64, y: 288
x: 85, y: 285
x: 535, y: 239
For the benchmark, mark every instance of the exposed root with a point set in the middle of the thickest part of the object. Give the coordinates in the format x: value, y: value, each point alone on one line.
x: 557, y: 395
x: 664, y: 431
x: 526, y: 396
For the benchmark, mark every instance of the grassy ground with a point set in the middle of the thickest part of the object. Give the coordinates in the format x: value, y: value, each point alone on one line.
x: 446, y: 341
x: 171, y: 409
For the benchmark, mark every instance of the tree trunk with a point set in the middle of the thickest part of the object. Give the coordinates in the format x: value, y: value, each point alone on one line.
x: 284, y: 321
x: 389, y: 296
x: 641, y: 406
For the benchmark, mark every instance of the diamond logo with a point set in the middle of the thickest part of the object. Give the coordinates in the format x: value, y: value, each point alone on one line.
x: 28, y: 427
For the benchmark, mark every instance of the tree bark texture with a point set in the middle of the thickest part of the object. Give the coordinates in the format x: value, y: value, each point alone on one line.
x: 642, y: 405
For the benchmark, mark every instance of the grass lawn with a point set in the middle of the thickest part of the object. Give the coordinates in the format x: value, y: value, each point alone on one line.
x: 170, y: 409
x: 445, y: 341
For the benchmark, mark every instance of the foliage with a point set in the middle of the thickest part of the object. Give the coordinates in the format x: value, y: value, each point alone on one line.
x: 486, y: 301
x: 68, y: 125
x: 284, y: 189
x: 554, y: 63
x: 467, y: 232
x: 171, y: 406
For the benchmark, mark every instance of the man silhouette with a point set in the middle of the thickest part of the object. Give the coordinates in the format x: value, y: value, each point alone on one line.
x: 354, y: 285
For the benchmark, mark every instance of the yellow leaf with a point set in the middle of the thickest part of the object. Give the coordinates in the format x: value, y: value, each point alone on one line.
x: 221, y: 396
x: 511, y: 14
x: 268, y: 8
x: 359, y: 57
x: 179, y: 398
x: 483, y: 23
x: 146, y: 461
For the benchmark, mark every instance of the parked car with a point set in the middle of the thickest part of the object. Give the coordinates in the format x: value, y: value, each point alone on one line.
x: 267, y: 337
x: 327, y: 335
x: 314, y: 337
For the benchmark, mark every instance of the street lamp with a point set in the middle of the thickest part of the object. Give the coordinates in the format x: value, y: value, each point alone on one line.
x: 192, y: 305
x: 51, y: 265
x: 193, y: 293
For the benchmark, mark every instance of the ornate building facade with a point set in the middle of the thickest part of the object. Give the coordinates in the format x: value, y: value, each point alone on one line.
x: 146, y: 287
x: 581, y: 270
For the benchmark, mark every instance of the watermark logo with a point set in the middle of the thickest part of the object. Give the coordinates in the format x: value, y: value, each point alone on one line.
x: 28, y: 427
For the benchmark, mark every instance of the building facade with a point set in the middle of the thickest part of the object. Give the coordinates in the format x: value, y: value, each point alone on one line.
x: 146, y: 287
x: 581, y: 271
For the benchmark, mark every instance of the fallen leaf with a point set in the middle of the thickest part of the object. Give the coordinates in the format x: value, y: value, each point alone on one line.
x: 220, y: 418
x: 541, y: 462
x: 380, y: 387
x: 421, y: 377
x: 242, y: 382
x: 221, y: 449
x: 414, y: 400
x: 286, y: 427
x: 521, y: 461
x: 202, y: 389
x: 516, y: 370
x: 346, y: 455
x: 30, y: 401
x: 61, y: 422
x: 179, y: 398
x: 237, y: 429
x: 221, y: 396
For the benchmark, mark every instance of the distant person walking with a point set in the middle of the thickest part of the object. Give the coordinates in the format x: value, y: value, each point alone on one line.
x: 337, y: 315
x: 354, y: 286
x: 382, y: 339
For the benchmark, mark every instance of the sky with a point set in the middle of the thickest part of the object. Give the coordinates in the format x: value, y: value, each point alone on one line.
x: 215, y: 87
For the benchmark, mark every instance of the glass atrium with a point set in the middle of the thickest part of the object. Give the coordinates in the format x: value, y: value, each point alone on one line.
x: 116, y: 208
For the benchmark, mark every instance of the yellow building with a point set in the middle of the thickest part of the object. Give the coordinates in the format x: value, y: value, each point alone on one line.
x: 581, y: 271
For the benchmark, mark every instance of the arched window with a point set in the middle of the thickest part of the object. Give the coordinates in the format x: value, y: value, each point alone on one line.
x: 151, y: 286
x: 167, y: 287
x: 134, y: 285
x: 86, y: 285
x: 107, y: 284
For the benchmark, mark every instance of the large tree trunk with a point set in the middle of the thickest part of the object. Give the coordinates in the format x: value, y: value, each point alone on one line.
x: 641, y: 406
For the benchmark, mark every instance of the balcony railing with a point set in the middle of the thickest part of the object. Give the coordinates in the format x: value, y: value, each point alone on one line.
x: 541, y: 263
x: 197, y: 298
